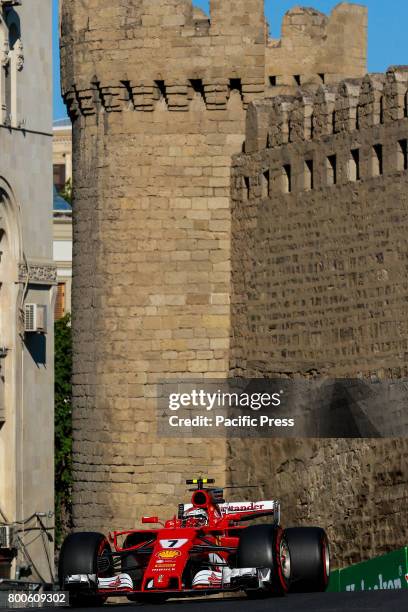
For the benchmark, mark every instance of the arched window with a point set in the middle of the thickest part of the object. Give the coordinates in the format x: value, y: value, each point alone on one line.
x: 8, y: 79
x: 10, y: 291
x: 10, y: 247
x: 4, y: 68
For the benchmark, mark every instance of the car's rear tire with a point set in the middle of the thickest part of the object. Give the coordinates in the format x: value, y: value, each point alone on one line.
x: 79, y: 555
x: 310, y: 559
x: 264, y: 546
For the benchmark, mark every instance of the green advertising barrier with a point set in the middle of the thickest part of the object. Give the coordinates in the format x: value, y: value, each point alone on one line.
x: 386, y: 572
x: 334, y: 582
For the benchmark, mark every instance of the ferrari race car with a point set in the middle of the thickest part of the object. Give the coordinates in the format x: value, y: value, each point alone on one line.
x: 206, y: 548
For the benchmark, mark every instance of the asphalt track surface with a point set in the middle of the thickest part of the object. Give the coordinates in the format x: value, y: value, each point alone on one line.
x: 369, y: 601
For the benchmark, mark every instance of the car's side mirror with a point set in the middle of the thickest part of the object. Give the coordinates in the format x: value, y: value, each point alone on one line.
x: 150, y: 519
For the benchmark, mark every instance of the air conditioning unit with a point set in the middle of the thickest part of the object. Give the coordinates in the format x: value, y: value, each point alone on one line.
x: 6, y: 537
x: 35, y: 319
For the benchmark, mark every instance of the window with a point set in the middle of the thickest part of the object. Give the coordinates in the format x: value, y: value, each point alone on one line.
x: 377, y: 160
x: 273, y: 81
x: 7, y: 94
x: 13, y: 64
x: 331, y: 170
x: 353, y: 166
x: 402, y: 153
x: 297, y: 79
x: 308, y: 178
x: 382, y: 110
x: 60, y: 302
x: 11, y: 74
x: 286, y: 178
x: 265, y: 184
x: 59, y: 176
x: 322, y: 77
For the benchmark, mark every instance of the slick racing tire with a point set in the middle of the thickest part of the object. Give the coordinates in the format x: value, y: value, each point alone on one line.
x: 310, y: 559
x: 264, y: 546
x: 84, y: 553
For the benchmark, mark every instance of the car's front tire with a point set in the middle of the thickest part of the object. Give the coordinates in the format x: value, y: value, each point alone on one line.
x: 310, y: 559
x: 264, y: 546
x: 81, y: 553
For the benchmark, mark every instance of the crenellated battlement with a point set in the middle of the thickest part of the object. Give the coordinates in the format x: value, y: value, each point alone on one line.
x: 353, y: 105
x: 138, y: 52
x: 134, y: 55
x: 315, y: 48
x: 193, y: 94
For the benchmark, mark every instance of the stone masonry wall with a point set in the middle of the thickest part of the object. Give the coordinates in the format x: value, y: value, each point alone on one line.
x: 319, y: 261
x: 158, y: 97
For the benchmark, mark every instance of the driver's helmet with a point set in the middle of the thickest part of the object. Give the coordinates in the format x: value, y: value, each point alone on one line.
x: 195, y: 517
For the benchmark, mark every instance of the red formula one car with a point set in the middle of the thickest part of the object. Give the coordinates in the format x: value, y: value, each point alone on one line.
x: 207, y: 548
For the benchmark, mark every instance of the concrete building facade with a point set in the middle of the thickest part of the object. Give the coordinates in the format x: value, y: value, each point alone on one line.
x: 62, y: 214
x: 62, y: 152
x: 160, y: 96
x: 62, y: 253
x: 27, y: 276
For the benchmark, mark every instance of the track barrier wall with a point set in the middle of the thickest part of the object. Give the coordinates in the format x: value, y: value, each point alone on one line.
x: 386, y: 572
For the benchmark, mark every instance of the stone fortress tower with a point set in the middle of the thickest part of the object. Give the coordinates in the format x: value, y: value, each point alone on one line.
x: 159, y: 95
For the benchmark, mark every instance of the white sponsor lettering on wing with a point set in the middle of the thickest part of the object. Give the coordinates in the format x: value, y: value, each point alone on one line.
x: 247, y: 506
x: 122, y: 581
x: 244, y: 506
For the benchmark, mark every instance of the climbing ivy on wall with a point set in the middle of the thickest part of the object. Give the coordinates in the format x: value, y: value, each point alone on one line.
x: 63, y: 429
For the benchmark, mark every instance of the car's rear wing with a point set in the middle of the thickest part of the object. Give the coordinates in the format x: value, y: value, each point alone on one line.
x: 248, y: 508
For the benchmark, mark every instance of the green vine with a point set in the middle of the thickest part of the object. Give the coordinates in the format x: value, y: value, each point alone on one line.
x: 63, y: 429
x: 66, y: 191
